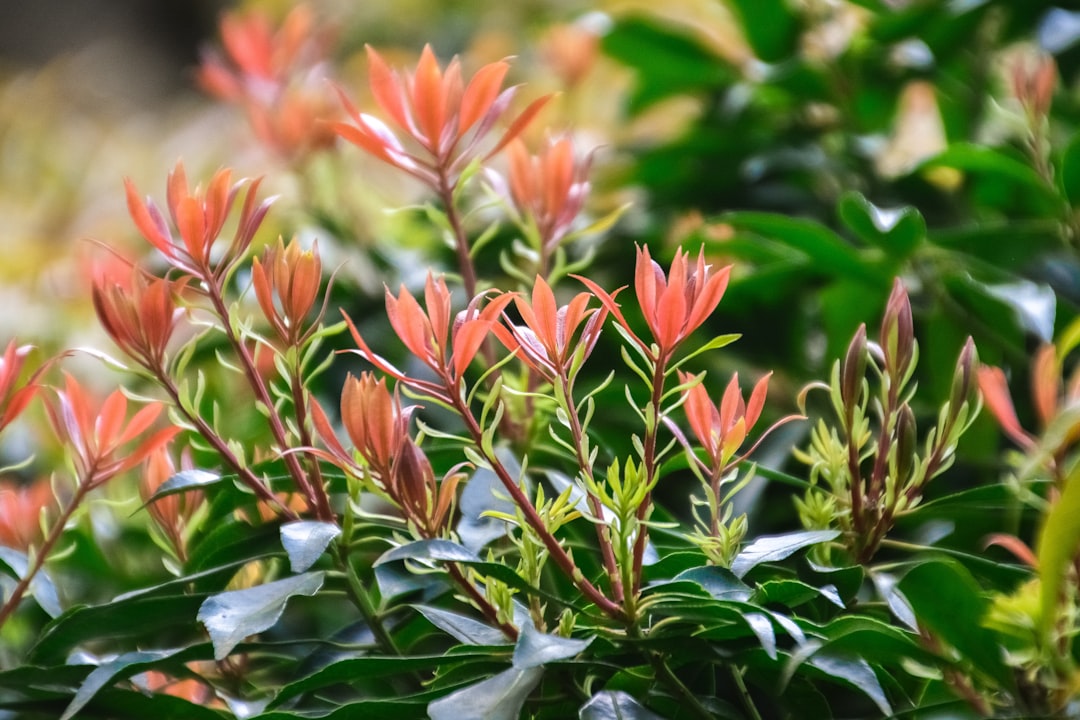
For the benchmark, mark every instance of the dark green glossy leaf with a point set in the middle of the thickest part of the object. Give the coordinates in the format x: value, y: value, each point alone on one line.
x: 122, y: 666
x: 854, y: 671
x: 231, y: 616
x: 1056, y: 549
x: 233, y: 540
x: 615, y: 705
x: 136, y: 617
x: 792, y: 593
x: 897, y: 231
x: 846, y: 580
x: 947, y: 601
x: 42, y: 588
x: 357, y: 669
x: 305, y: 541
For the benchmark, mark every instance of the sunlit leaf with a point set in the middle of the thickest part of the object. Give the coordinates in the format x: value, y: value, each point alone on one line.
x: 497, y: 698
x: 183, y: 481
x: 615, y: 705
x: 126, y: 664
x: 306, y: 540
x: 442, y: 550
x: 777, y: 547
x: 1057, y: 546
x: 231, y: 616
x: 719, y: 582
x: 535, y: 648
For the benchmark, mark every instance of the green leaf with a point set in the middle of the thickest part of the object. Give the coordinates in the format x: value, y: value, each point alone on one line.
x: 461, y: 627
x: 183, y: 481
x: 846, y: 580
x: 535, y: 648
x: 615, y: 705
x: 231, y: 616
x: 42, y: 588
x: 305, y: 541
x: 948, y: 602
x: 771, y: 27
x: 125, y: 665
x: 719, y: 582
x: 854, y: 671
x: 135, y: 617
x: 989, y: 161
x: 497, y: 698
x: 827, y: 252
x: 1070, y: 170
x: 667, y: 60
x: 770, y: 548
x: 231, y: 541
x: 876, y: 641
x: 441, y: 550
x: 792, y: 593
x: 897, y: 231
x: 1056, y: 549
x: 356, y: 669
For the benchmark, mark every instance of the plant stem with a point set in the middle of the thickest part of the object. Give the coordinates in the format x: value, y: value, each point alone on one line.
x: 43, y: 553
x: 248, y: 478
x: 649, y: 461
x: 461, y: 239
x: 316, y: 497
x: 481, y: 602
x: 363, y: 603
x: 744, y: 693
x: 564, y: 387
x: 557, y: 552
x: 323, y: 509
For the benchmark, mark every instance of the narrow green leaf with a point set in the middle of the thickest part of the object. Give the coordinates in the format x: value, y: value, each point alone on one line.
x: 231, y: 616
x: 126, y: 665
x: 356, y: 669
x: 719, y: 582
x: 183, y: 481
x: 137, y: 617
x: 1070, y: 170
x: 1057, y: 546
x: 829, y: 253
x: 42, y: 589
x: 985, y: 160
